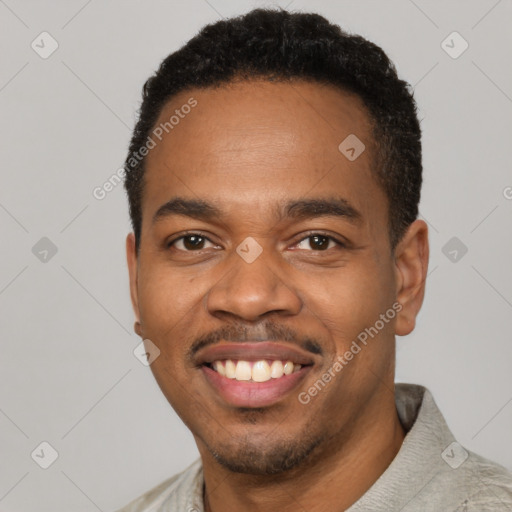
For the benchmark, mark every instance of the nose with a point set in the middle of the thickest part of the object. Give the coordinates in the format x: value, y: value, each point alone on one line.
x: 250, y: 291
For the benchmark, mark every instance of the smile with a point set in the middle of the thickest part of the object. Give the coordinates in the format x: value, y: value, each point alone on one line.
x: 255, y: 371
x: 254, y: 374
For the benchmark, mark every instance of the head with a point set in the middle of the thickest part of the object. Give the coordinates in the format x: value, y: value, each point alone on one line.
x: 273, y: 179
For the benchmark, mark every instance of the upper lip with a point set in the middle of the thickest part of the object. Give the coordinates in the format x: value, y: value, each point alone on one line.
x: 249, y: 351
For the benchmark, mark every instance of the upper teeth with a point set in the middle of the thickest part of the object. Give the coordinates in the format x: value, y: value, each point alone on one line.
x: 258, y: 371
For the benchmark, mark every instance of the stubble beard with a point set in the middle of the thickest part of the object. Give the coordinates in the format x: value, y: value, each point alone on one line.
x: 250, y: 457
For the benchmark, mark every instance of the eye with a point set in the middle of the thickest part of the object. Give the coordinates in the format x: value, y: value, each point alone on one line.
x: 318, y: 242
x: 192, y: 242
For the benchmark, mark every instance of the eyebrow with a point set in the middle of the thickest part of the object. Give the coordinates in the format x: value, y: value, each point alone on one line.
x: 332, y: 207
x: 298, y: 209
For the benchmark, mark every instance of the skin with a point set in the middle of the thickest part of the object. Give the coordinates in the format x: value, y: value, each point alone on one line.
x: 249, y: 148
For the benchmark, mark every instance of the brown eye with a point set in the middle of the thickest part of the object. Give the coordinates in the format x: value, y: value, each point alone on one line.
x: 317, y: 242
x: 191, y: 243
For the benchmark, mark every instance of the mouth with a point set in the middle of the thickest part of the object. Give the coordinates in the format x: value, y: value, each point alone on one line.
x: 254, y: 374
x: 254, y: 371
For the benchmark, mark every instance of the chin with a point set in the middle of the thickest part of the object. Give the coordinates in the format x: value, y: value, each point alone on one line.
x: 253, y: 459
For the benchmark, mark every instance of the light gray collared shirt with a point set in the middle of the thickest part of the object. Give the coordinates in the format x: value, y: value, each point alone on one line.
x: 430, y: 473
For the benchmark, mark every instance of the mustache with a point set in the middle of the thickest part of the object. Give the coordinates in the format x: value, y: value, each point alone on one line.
x: 266, y: 331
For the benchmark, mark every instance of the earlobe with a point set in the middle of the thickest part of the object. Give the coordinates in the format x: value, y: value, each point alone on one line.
x: 411, y: 262
x: 131, y: 258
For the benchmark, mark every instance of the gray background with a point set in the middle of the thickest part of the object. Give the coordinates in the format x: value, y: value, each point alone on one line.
x: 68, y: 374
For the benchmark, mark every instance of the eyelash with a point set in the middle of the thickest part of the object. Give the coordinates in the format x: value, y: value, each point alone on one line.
x: 311, y: 234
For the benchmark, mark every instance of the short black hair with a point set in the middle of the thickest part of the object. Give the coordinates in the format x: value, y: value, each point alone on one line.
x: 276, y: 44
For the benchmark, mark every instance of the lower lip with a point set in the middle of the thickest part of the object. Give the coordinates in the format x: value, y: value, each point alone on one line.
x: 254, y: 394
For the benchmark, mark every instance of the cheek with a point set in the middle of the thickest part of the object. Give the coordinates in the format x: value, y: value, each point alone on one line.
x: 348, y: 299
x: 170, y: 307
x: 167, y: 298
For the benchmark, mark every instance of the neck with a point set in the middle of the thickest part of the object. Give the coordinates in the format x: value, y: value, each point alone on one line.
x: 350, y: 464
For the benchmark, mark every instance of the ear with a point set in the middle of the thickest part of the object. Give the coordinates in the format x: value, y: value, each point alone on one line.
x: 131, y: 257
x: 411, y: 262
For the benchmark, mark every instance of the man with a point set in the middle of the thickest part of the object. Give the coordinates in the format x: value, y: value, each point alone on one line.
x: 274, y: 177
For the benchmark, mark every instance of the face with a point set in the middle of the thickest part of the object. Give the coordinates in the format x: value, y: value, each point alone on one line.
x: 264, y: 255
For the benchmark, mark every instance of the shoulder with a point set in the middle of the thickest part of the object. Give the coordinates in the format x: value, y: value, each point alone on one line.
x: 490, y: 486
x: 176, y: 491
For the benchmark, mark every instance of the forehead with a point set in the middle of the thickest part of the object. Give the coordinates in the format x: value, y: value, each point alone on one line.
x: 252, y: 141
